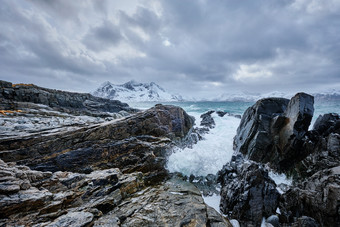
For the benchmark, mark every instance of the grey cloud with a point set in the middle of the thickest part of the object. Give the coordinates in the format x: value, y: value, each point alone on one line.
x: 143, y: 17
x: 103, y: 36
x: 206, y: 41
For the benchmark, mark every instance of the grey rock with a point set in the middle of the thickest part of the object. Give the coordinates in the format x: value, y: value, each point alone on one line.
x: 275, y: 131
x: 173, y: 203
x: 273, y: 220
x: 292, y: 139
x: 305, y: 221
x: 71, y: 102
x: 137, y: 143
x: 221, y: 113
x: 76, y: 219
x: 253, y: 136
x: 325, y: 123
x: 207, y: 120
x: 247, y: 192
x: 317, y: 197
x: 64, y: 198
x: 322, y: 147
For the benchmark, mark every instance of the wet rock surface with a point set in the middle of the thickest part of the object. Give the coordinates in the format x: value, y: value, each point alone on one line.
x: 101, y: 198
x: 173, y: 203
x: 207, y: 120
x: 318, y: 197
x: 248, y: 194
x: 324, y: 147
x: 253, y: 136
x: 107, y: 171
x: 62, y: 198
x: 137, y: 143
x: 275, y: 132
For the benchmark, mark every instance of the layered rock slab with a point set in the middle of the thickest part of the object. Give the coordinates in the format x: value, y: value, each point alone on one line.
x: 102, y: 198
x: 173, y: 203
x: 62, y: 198
x: 70, y: 102
x: 137, y: 143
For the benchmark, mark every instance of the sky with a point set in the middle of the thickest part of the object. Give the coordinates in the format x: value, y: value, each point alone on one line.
x: 196, y: 48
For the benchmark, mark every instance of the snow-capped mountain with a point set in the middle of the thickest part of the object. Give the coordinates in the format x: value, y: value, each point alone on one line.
x: 135, y: 92
x: 332, y: 95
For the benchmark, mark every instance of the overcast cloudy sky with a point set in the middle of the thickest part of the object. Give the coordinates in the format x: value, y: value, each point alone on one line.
x: 199, y: 48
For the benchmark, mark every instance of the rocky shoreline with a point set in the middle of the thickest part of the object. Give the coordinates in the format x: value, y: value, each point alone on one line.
x: 70, y: 159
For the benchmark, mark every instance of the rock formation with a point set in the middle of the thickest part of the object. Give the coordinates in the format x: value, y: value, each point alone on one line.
x: 12, y: 95
x: 318, y: 196
x: 248, y: 193
x: 207, y: 120
x: 107, y: 171
x: 101, y: 198
x: 136, y: 143
x: 253, y: 136
x: 275, y: 132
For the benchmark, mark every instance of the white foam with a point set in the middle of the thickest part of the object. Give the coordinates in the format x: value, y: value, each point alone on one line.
x: 213, y: 201
x: 209, y: 155
x: 234, y: 223
x: 280, y: 178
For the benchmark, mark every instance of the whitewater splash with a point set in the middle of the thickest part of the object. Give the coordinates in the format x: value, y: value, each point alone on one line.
x: 209, y: 155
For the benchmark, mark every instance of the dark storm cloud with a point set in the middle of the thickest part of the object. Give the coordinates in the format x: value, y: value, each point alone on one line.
x: 103, y: 36
x: 207, y: 46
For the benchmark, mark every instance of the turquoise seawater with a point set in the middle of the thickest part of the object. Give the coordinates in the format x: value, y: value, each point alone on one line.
x: 320, y: 107
x: 209, y: 155
x: 200, y: 107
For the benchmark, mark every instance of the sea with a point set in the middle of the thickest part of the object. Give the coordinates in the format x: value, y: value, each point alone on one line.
x: 209, y: 155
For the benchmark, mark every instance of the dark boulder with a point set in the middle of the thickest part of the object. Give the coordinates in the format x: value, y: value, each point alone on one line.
x: 322, y: 146
x: 221, y: 113
x: 275, y: 130
x: 254, y: 138
x: 327, y: 123
x: 247, y: 192
x: 292, y: 139
x: 207, y: 120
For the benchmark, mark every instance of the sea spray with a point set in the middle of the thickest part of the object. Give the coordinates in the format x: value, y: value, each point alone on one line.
x: 208, y: 155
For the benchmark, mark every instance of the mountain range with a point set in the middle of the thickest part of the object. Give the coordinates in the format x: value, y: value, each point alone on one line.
x: 133, y: 91
x: 332, y: 95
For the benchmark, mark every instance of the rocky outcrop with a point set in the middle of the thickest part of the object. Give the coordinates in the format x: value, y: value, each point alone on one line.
x: 291, y: 137
x: 248, y: 194
x: 274, y: 129
x: 324, y: 147
x: 253, y: 136
x: 318, y: 197
x: 174, y: 203
x: 136, y: 143
x: 222, y: 113
x: 280, y: 137
x: 61, y: 198
x: 207, y: 120
x: 101, y: 198
x: 11, y: 95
